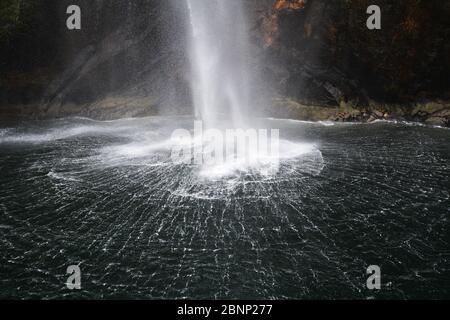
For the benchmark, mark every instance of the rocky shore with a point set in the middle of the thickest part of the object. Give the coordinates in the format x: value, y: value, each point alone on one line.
x: 432, y: 113
x: 118, y: 107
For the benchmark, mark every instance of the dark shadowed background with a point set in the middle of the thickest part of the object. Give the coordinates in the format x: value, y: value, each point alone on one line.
x: 319, y: 60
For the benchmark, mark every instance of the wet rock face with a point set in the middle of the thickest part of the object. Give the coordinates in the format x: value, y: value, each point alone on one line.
x: 328, y: 55
x: 124, y: 49
x: 293, y: 34
x: 310, y: 52
x: 130, y: 48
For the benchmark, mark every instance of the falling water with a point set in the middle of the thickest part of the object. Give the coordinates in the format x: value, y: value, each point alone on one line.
x: 221, y: 60
x: 220, y: 55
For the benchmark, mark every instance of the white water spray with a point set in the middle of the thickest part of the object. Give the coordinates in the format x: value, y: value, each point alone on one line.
x: 221, y: 59
x: 220, y: 55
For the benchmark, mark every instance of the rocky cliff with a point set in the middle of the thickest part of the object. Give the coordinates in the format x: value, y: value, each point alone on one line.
x: 128, y: 59
x: 317, y: 58
x: 320, y: 53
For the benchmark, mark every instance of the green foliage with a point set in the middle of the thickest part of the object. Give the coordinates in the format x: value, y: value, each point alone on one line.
x: 15, y: 16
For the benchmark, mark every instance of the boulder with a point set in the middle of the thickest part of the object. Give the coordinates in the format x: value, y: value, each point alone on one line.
x: 437, y: 121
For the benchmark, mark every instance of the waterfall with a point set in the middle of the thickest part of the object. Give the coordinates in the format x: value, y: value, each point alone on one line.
x: 220, y: 55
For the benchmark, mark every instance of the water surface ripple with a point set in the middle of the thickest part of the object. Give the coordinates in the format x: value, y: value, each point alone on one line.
x: 101, y: 195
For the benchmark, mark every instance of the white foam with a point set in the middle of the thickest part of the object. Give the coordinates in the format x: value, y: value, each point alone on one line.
x: 61, y: 176
x: 61, y: 133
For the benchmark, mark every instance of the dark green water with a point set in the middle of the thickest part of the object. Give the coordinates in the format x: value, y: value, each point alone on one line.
x: 104, y: 195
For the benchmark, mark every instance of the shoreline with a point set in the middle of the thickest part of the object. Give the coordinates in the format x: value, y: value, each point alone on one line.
x: 433, y: 114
